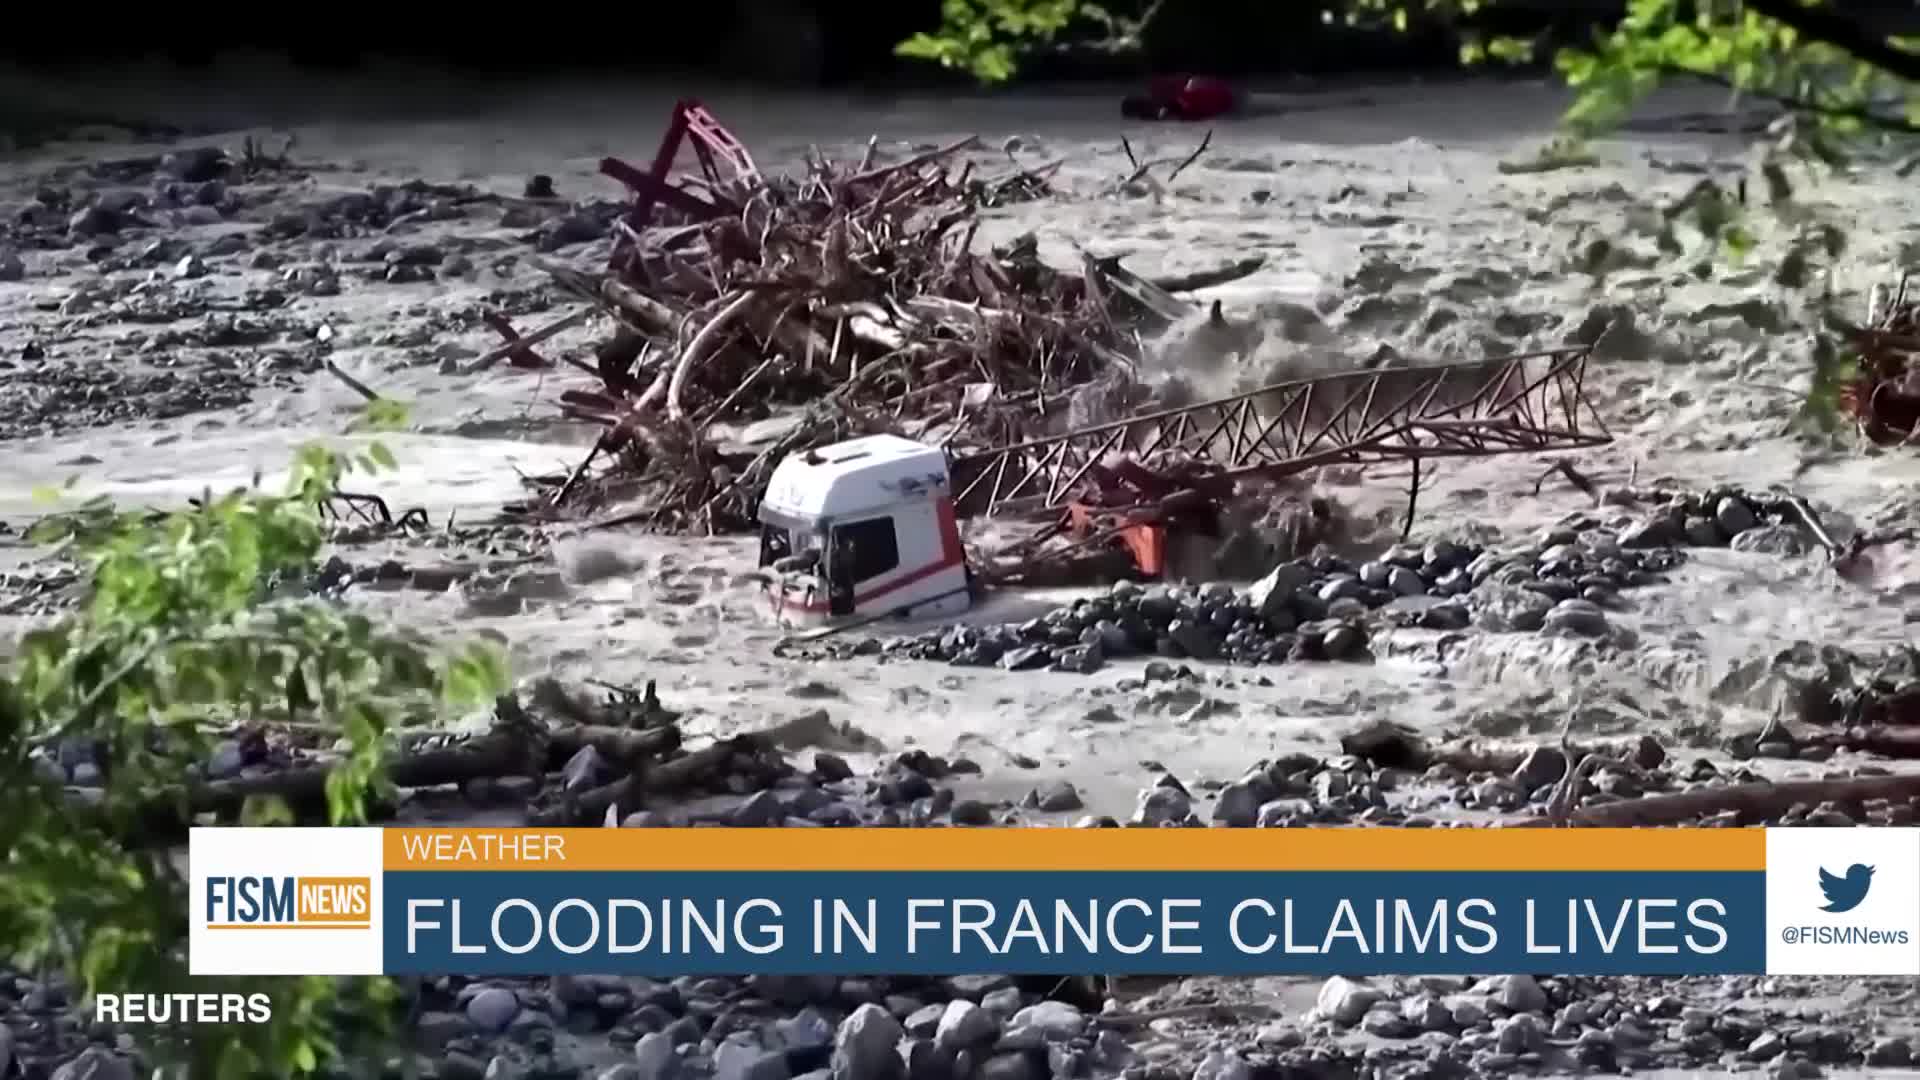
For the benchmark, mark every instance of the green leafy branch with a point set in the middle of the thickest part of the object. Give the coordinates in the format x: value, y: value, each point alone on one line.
x: 988, y: 39
x: 190, y: 626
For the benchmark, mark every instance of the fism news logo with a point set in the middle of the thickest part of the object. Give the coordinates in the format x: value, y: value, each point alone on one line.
x: 284, y: 902
x: 256, y: 902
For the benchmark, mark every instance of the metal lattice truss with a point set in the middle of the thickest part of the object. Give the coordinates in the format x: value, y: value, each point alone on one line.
x: 1528, y: 403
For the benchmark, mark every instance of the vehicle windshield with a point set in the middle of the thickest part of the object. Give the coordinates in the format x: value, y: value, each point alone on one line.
x: 778, y: 542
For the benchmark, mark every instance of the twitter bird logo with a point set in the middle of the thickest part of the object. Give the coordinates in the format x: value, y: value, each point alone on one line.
x: 1846, y: 893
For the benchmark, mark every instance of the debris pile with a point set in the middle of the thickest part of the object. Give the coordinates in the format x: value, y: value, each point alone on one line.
x: 1885, y: 396
x: 854, y: 291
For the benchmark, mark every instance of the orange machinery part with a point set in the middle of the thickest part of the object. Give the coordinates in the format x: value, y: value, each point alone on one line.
x: 1146, y: 540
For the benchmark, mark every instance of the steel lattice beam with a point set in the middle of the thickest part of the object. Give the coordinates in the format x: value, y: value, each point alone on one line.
x: 1527, y: 403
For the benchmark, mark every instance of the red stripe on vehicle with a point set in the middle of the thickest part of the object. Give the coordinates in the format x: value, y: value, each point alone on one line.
x: 879, y: 591
x: 950, y: 546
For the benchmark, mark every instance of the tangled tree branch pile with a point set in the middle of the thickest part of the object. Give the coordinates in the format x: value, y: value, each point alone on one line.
x: 853, y: 301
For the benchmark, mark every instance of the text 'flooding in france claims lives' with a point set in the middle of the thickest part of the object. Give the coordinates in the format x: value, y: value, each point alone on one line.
x: 1130, y: 926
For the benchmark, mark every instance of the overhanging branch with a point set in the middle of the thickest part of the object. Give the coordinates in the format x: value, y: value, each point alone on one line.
x: 1796, y: 103
x: 1828, y: 27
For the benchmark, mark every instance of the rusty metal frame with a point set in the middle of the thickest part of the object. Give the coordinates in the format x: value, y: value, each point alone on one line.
x: 369, y: 509
x: 712, y: 145
x: 1527, y: 403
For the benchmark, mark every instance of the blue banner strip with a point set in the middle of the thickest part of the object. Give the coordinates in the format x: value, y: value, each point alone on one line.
x: 1032, y: 922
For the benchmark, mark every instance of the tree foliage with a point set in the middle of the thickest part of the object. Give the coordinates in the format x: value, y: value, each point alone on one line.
x: 988, y: 38
x: 196, y: 620
x: 1802, y: 53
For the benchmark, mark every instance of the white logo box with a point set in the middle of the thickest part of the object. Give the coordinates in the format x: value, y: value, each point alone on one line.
x: 1795, y: 859
x: 276, y: 950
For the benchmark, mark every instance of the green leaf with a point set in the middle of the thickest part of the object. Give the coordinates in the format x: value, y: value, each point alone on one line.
x: 1739, y: 243
x: 1511, y: 50
x: 260, y: 811
x: 382, y: 414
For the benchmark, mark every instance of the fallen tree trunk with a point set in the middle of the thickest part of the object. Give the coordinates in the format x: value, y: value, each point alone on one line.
x: 614, y: 743
x: 304, y: 789
x: 1753, y: 802
x: 653, y: 778
x: 1887, y: 742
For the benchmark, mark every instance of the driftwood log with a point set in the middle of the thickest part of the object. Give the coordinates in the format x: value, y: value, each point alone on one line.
x: 690, y: 772
x: 304, y: 789
x: 1902, y: 743
x: 1753, y: 802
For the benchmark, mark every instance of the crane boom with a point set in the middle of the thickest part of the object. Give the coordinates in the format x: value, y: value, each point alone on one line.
x: 1526, y: 403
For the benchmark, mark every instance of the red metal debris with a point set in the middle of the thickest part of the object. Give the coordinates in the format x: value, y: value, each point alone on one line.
x: 1519, y: 404
x: 1136, y: 481
x: 1182, y: 97
x: 713, y: 145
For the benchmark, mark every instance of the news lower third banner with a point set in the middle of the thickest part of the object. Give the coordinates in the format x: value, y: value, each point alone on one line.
x: 1055, y: 901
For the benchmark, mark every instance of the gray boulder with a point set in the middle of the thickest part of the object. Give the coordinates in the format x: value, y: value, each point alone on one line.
x: 1239, y: 804
x: 1274, y: 592
x: 1576, y: 618
x: 493, y: 1009
x: 1734, y: 516
x: 655, y: 1058
x: 95, y: 1063
x: 1522, y: 993
x: 1503, y: 608
x: 741, y: 1057
x: 1163, y: 806
x: 1345, y: 1001
x: 965, y: 1026
x: 864, y: 1046
x: 1056, y: 1020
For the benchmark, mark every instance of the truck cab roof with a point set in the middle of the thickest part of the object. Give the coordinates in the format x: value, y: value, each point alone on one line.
x: 854, y: 477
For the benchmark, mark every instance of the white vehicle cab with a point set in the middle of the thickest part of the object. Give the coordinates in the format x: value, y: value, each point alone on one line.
x: 863, y: 528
